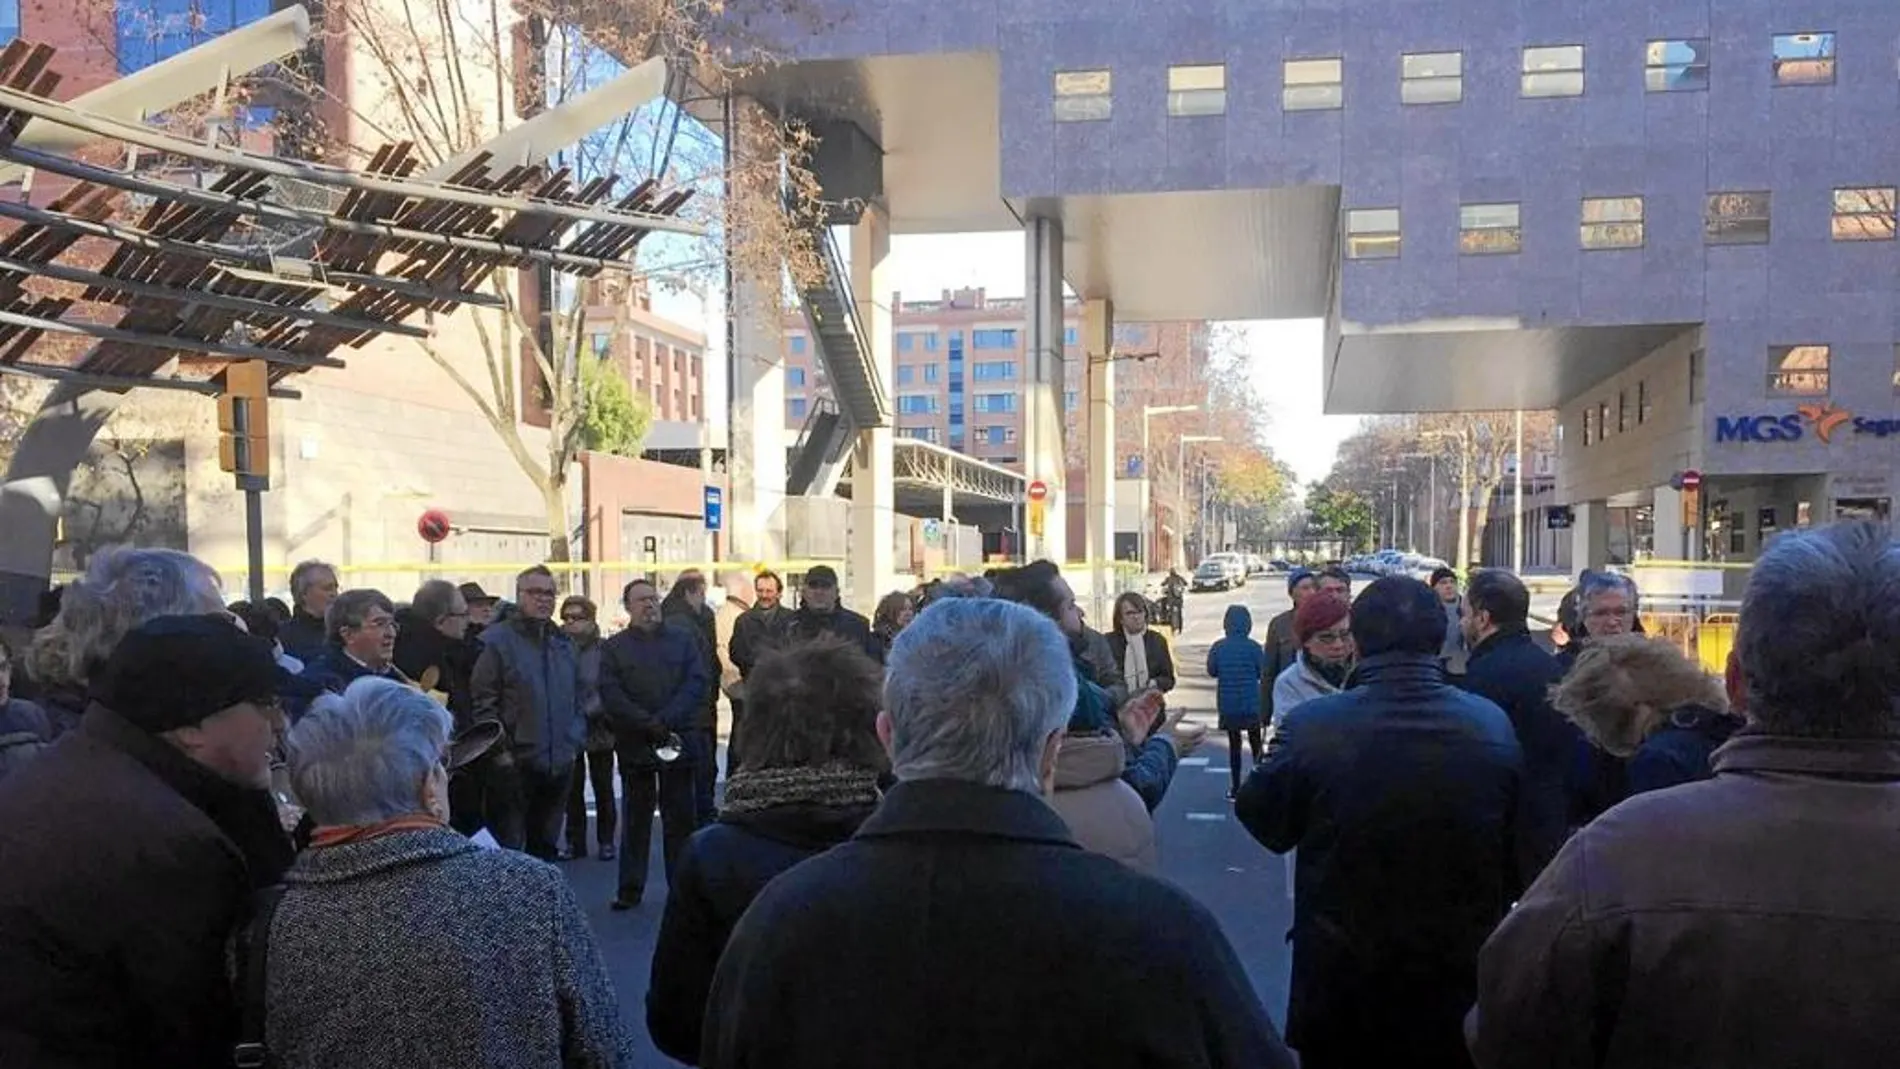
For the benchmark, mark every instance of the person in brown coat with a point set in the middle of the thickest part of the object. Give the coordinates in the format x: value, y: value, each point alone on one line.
x: 1106, y: 815
x: 1752, y: 919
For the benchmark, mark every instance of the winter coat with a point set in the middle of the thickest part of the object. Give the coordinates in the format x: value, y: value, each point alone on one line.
x: 420, y: 648
x: 806, y: 623
x: 529, y: 678
x: 722, y: 869
x: 701, y: 623
x: 1236, y: 662
x: 1298, y: 684
x: 969, y: 886
x: 756, y: 631
x: 1160, y: 658
x: 124, y: 865
x: 1282, y: 650
x: 1749, y: 920
x: 423, y: 949
x: 1510, y: 669
x: 1400, y: 795
x: 331, y: 673
x: 1453, y: 653
x: 1682, y: 750
x: 1105, y: 669
x: 652, y: 684
x: 1106, y: 815
x: 25, y: 733
x: 303, y: 636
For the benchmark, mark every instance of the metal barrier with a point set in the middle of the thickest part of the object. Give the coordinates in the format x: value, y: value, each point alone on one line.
x: 1703, y: 637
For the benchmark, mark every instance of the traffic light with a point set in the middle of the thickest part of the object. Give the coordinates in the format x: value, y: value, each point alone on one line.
x: 244, y: 420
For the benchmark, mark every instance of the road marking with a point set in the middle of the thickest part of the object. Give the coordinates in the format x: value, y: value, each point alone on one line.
x: 1221, y: 771
x: 1207, y: 816
x: 1193, y: 762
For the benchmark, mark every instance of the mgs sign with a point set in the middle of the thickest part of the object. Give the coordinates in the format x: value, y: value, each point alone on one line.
x: 1823, y: 421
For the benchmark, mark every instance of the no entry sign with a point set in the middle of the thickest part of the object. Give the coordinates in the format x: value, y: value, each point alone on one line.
x: 1038, y: 491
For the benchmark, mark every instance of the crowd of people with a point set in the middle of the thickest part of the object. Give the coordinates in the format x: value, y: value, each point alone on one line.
x: 222, y: 842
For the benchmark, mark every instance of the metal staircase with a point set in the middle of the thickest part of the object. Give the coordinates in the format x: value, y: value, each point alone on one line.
x: 843, y: 348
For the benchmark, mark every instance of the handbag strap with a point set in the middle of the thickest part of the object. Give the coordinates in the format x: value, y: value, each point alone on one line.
x: 251, y: 1051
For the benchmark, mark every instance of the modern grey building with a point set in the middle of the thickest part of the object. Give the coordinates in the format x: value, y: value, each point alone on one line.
x: 1671, y: 220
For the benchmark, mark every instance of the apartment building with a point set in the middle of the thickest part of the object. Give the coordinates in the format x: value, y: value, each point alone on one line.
x: 662, y: 360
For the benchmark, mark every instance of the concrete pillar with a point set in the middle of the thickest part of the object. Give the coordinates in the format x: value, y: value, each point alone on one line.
x: 757, y: 441
x: 1044, y: 458
x: 872, y: 560
x: 1590, y: 534
x: 1671, y: 537
x: 1098, y: 330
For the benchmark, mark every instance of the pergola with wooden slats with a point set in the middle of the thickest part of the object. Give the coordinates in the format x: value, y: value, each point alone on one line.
x: 187, y: 286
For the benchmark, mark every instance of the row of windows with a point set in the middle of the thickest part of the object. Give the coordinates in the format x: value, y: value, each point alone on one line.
x: 1319, y: 83
x: 908, y: 374
x: 996, y: 402
x: 993, y: 370
x: 1597, y: 428
x: 917, y: 404
x: 993, y: 338
x: 927, y: 340
x: 1862, y: 213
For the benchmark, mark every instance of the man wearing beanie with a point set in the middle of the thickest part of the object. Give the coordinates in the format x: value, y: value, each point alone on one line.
x: 1452, y: 653
x: 130, y: 851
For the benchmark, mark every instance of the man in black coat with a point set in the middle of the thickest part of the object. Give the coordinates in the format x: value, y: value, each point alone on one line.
x: 1401, y: 796
x: 821, y: 614
x: 653, y: 683
x: 129, y: 852
x: 1031, y: 951
x: 685, y: 609
x: 1507, y: 666
x: 313, y: 586
x: 758, y: 629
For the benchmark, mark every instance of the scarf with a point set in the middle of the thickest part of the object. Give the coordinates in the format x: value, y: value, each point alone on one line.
x: 341, y: 834
x: 1135, y: 662
x: 1334, y: 674
x: 835, y: 784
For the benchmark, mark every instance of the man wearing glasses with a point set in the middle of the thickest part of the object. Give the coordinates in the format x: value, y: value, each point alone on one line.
x: 528, y: 679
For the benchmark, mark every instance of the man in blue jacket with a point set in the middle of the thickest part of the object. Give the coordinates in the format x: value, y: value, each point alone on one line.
x: 1401, y: 796
x: 528, y: 677
x: 653, y: 684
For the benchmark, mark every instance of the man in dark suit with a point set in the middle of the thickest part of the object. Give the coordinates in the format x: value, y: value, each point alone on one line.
x: 1038, y: 954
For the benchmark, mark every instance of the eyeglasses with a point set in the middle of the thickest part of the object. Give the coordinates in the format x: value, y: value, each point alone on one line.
x: 1331, y: 638
x: 1609, y: 614
x: 573, y: 618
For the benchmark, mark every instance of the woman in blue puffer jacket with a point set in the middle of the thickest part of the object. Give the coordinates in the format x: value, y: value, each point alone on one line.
x: 1236, y: 663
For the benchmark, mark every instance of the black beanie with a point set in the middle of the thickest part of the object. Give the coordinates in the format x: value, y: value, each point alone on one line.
x: 1443, y: 573
x: 174, y: 671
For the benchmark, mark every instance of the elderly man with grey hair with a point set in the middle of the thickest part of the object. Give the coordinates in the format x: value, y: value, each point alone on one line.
x: 1750, y: 919
x: 313, y: 586
x: 396, y: 934
x: 963, y: 925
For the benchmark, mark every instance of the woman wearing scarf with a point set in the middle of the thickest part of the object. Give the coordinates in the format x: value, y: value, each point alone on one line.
x: 1140, y: 653
x: 1322, y: 629
x: 396, y: 937
x: 812, y: 774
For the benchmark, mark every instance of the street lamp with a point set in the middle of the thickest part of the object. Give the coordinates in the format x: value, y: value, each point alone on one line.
x: 1180, y: 471
x: 1146, y: 481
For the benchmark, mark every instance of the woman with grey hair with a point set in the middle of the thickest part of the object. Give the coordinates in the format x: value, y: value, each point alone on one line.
x: 122, y: 588
x: 399, y: 941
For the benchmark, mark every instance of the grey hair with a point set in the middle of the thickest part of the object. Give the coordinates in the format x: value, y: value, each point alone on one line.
x: 351, y: 608
x: 1596, y: 582
x: 434, y: 600
x: 1819, y: 640
x: 122, y: 588
x: 304, y: 576
x: 974, y: 689
x: 360, y: 756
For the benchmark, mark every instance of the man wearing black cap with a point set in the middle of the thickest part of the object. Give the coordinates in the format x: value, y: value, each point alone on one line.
x: 821, y: 614
x: 1452, y: 654
x: 131, y: 850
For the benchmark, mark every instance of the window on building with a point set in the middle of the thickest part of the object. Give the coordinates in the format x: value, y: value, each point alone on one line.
x: 602, y: 341
x: 1071, y: 335
x: 149, y: 33
x: 994, y: 338
x: 1071, y: 400
x: 798, y: 345
x: 1553, y: 71
x: 1372, y: 233
x: 1198, y: 89
x: 996, y: 402
x: 1603, y: 421
x: 916, y: 404
x: 1432, y: 77
x: 1737, y: 218
x: 930, y: 371
x: 1612, y: 222
x: 1642, y: 403
x: 921, y: 434
x: 796, y: 407
x: 1677, y: 66
x: 1804, y: 59
x: 1622, y: 411
x: 1864, y: 214
x: 1487, y: 229
x: 930, y: 341
x: 9, y: 20
x: 1589, y: 425
x: 1797, y: 370
x: 695, y: 414
x: 1083, y: 96
x: 905, y: 341
x: 1313, y: 84
x: 1695, y: 376
x: 906, y: 374
x: 993, y: 370
x: 795, y: 377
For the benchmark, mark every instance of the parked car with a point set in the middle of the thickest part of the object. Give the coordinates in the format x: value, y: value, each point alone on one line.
x: 1278, y: 565
x: 1212, y: 574
x: 1256, y: 565
x: 1236, y: 563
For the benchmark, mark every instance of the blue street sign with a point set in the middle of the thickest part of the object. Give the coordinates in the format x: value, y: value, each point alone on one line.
x: 1134, y: 467
x: 715, y: 508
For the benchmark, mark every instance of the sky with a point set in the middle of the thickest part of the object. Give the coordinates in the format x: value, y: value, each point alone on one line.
x: 1285, y: 354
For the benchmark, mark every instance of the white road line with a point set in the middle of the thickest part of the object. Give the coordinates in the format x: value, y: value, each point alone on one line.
x: 1193, y: 762
x: 1207, y: 816
x: 1218, y: 771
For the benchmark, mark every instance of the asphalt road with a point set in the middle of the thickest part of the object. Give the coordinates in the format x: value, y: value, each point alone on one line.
x: 1202, y: 848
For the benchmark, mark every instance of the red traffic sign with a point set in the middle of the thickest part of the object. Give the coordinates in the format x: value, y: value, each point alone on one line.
x: 433, y: 526
x: 1692, y: 480
x: 1038, y: 491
